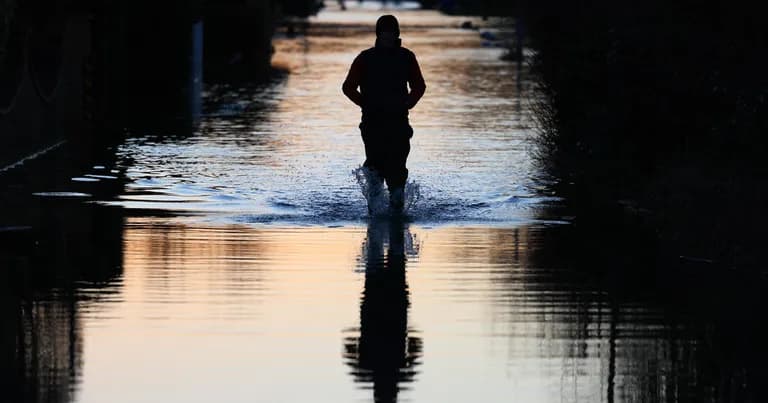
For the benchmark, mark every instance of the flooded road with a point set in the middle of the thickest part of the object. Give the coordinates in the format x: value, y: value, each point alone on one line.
x: 237, y: 263
x: 285, y: 151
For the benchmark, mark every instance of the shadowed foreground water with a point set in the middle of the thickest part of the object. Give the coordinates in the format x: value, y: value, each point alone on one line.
x: 162, y: 311
x: 236, y: 262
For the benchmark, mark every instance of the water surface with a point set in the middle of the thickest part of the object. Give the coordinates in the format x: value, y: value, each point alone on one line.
x: 285, y: 150
x: 236, y: 262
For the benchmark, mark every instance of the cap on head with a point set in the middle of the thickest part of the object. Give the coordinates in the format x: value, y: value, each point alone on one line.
x: 387, y: 23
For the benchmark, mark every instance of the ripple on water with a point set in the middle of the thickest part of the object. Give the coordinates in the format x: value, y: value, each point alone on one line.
x: 284, y: 150
x: 62, y: 194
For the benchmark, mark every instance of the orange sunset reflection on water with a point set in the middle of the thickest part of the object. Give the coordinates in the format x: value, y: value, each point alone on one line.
x: 238, y: 262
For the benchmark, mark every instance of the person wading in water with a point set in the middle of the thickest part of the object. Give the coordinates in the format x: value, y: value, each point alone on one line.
x: 383, y: 73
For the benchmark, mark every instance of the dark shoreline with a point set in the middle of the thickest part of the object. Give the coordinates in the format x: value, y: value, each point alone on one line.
x: 657, y: 113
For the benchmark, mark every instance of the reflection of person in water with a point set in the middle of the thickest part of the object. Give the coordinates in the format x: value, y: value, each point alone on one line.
x: 384, y: 354
x: 383, y: 74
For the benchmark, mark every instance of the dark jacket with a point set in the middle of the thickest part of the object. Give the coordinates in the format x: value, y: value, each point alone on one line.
x: 383, y: 74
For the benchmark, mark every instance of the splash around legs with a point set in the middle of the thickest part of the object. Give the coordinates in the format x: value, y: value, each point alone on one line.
x: 396, y: 201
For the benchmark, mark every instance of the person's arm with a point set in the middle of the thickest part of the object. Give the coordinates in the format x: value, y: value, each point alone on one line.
x: 416, y: 82
x: 354, y: 77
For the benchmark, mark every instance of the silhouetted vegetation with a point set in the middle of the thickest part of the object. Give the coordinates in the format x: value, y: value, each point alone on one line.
x: 300, y: 8
x: 662, y: 105
x: 660, y: 108
x: 475, y: 7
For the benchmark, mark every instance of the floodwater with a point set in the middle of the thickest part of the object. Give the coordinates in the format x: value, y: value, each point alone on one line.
x: 285, y: 151
x: 237, y: 262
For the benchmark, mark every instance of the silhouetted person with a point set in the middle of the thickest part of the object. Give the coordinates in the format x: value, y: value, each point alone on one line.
x: 384, y: 354
x: 383, y: 73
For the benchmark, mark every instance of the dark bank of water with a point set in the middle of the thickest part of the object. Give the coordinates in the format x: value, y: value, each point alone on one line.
x: 236, y: 263
x: 660, y: 108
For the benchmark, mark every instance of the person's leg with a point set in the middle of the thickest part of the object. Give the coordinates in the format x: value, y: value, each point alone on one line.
x: 375, y: 153
x: 396, y: 173
x: 373, y: 173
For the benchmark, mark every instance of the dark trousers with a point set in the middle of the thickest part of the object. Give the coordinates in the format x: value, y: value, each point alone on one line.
x: 386, y: 150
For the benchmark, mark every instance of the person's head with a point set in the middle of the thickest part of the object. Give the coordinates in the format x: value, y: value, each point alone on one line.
x: 387, y: 26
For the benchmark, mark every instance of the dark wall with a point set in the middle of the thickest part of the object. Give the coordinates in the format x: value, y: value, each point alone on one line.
x: 42, y: 80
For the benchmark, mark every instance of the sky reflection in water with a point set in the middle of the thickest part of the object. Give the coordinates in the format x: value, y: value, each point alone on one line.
x: 285, y: 151
x: 389, y: 310
x: 279, y: 289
